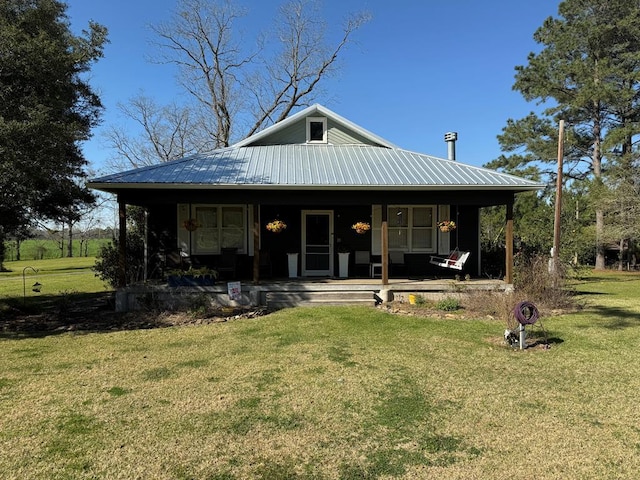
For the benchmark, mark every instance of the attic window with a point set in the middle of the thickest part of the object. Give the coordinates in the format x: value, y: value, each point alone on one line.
x: 316, y: 130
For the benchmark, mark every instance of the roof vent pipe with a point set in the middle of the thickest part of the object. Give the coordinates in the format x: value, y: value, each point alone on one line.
x: 450, y: 138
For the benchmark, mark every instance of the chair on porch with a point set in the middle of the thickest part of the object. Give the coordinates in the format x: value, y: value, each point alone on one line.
x: 266, y: 268
x: 363, y: 261
x: 396, y: 262
x: 175, y: 259
x: 228, y: 263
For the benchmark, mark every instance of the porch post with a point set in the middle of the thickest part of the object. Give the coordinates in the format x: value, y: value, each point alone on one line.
x: 384, y: 244
x: 145, y: 274
x: 256, y: 243
x: 122, y: 243
x: 508, y: 278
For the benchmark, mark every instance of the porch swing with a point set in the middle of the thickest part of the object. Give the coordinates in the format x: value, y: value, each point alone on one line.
x: 456, y: 259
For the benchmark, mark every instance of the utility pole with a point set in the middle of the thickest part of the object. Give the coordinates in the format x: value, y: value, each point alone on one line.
x: 558, y: 210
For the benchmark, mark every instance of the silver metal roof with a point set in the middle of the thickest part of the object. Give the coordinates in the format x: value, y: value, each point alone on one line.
x: 314, y: 167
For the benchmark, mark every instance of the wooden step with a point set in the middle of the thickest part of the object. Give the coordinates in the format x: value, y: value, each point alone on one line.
x: 278, y: 300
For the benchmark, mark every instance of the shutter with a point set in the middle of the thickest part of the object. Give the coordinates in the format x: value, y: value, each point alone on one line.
x: 376, y: 230
x: 183, y: 234
x: 444, y: 240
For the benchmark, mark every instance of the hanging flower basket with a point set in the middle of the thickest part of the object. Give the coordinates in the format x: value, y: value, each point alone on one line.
x: 191, y: 224
x: 276, y: 226
x: 447, y: 225
x: 361, y: 227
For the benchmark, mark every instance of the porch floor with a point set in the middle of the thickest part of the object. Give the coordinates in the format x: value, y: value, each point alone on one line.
x: 395, y: 284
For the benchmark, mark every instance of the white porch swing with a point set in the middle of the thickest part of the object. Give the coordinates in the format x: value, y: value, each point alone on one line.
x: 456, y: 259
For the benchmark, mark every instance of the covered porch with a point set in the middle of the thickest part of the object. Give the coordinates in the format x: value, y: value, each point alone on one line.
x: 319, y: 239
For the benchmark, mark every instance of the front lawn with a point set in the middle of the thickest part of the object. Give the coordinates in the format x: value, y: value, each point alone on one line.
x: 330, y: 393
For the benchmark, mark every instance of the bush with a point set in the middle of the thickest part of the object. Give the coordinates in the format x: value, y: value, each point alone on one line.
x: 534, y: 282
x: 449, y: 304
x: 106, y: 266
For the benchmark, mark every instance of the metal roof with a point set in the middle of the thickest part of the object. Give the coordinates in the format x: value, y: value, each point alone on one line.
x: 314, y: 167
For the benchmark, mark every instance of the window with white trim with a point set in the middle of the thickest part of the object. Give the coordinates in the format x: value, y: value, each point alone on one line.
x: 214, y: 227
x: 316, y: 130
x: 412, y: 228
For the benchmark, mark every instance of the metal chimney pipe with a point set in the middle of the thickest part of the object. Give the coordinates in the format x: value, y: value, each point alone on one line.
x: 450, y: 138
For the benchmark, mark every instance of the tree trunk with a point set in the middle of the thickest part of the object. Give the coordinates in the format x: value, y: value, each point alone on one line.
x: 597, y: 173
x: 621, y: 256
x: 61, y: 243
x: 70, y: 244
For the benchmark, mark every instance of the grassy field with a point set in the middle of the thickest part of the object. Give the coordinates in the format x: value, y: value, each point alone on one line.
x: 39, y: 249
x: 331, y: 393
x: 56, y: 276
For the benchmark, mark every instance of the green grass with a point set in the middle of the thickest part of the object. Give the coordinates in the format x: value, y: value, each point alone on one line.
x: 58, y: 277
x: 330, y: 393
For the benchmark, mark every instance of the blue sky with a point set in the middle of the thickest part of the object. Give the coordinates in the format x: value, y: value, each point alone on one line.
x: 418, y: 69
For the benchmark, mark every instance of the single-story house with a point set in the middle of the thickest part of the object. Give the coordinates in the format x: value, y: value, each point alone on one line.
x: 320, y: 175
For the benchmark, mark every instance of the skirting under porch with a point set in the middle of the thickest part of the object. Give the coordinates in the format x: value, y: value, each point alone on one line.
x: 278, y: 294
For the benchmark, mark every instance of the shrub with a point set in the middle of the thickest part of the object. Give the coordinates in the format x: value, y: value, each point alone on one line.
x: 106, y: 267
x: 534, y: 282
x: 448, y: 304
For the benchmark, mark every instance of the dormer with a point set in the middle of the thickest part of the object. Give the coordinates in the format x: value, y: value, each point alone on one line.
x: 315, y: 125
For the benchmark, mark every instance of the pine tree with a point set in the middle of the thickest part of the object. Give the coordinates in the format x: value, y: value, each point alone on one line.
x: 587, y: 72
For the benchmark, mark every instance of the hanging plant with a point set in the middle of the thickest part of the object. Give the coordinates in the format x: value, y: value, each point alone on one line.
x: 447, y: 225
x: 276, y: 226
x: 361, y: 227
x: 192, y: 224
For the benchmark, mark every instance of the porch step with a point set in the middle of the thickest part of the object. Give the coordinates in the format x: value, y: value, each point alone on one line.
x: 278, y: 300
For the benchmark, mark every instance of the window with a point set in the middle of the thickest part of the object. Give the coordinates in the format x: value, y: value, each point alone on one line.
x: 412, y: 229
x: 217, y: 227
x: 316, y: 130
x: 205, y: 238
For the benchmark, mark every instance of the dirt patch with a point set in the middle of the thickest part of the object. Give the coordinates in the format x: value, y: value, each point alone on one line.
x: 96, y: 313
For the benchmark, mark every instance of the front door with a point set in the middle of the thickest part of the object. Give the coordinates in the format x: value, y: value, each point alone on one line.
x: 317, y: 243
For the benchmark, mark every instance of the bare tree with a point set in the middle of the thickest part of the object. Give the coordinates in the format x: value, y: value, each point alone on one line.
x: 167, y: 133
x: 235, y: 89
x: 291, y: 78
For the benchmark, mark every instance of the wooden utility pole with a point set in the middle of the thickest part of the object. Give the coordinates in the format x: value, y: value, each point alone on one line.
x: 558, y: 210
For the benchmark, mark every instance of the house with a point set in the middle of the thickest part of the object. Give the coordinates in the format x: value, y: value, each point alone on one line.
x: 319, y: 174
